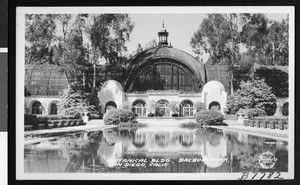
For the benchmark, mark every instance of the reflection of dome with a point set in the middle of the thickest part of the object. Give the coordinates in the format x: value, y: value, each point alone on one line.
x: 110, y: 154
x: 214, y: 155
x: 41, y: 79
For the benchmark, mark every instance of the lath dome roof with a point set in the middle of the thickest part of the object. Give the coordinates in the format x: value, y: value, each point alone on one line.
x: 42, y: 79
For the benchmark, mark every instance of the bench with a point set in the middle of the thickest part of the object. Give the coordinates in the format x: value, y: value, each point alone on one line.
x: 28, y: 127
x: 41, y: 126
x: 50, y: 126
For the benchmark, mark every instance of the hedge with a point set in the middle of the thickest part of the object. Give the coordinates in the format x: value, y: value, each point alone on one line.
x: 209, y: 117
x: 271, y: 118
x: 48, y: 121
x: 117, y: 116
x: 252, y: 112
x: 57, y: 117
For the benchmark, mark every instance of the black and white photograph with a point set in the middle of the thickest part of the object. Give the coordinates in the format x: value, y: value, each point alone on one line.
x: 165, y: 93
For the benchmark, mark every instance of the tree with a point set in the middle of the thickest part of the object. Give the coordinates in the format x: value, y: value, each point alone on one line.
x: 108, y: 34
x: 219, y: 36
x: 39, y: 35
x: 74, y: 99
x: 256, y: 94
x: 150, y: 44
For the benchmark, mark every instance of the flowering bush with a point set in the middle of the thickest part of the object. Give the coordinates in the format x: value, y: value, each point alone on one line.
x: 256, y: 94
x: 209, y: 117
x: 116, y: 116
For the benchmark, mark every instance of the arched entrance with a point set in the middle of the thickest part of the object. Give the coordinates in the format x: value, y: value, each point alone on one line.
x: 139, y: 108
x: 214, y: 106
x: 53, y: 108
x: 186, y: 108
x: 110, y: 105
x: 37, y: 108
x: 162, y: 108
x: 285, y: 109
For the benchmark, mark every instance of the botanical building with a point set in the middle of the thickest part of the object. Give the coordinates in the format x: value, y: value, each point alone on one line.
x: 154, y: 78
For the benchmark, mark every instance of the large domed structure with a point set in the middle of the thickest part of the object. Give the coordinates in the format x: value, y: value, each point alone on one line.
x: 164, y: 68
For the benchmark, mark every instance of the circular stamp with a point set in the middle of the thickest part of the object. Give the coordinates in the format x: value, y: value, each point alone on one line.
x: 267, y: 160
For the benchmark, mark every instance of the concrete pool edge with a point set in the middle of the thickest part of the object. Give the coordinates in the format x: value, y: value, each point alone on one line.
x: 261, y: 132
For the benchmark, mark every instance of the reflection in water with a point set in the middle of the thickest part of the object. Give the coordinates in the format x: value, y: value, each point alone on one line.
x: 154, y: 149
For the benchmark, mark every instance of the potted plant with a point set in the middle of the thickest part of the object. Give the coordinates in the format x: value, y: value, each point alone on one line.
x: 152, y: 106
x: 173, y: 108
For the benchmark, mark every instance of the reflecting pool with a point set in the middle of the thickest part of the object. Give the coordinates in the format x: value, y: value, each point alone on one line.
x: 157, y: 149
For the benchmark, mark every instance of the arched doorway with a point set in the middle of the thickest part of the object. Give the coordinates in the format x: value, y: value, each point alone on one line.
x: 37, y: 108
x: 162, y: 108
x: 53, y: 108
x: 214, y: 106
x: 110, y: 105
x: 285, y: 109
x: 139, y: 108
x: 186, y: 108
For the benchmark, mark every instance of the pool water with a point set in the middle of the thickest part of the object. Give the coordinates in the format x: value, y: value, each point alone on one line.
x: 156, y: 149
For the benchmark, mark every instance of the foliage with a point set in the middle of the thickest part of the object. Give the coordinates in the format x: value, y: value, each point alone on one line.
x: 172, y: 91
x: 173, y: 106
x: 117, y: 116
x: 152, y: 106
x: 271, y: 118
x: 190, y: 125
x: 74, y: 100
x: 256, y: 94
x: 199, y: 106
x: 209, y: 117
x: 126, y: 105
x: 253, y: 112
x: 228, y: 35
x: 56, y: 117
x: 35, y: 120
x: 39, y: 35
x: 78, y: 42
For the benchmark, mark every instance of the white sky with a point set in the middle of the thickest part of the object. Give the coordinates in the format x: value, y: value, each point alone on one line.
x: 181, y: 28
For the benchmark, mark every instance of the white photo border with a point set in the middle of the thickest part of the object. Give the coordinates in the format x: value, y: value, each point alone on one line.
x: 20, y: 68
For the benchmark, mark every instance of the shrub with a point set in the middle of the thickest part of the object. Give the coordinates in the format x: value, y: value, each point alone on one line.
x: 256, y: 94
x: 116, y: 116
x: 126, y: 106
x: 30, y: 119
x: 76, y: 99
x: 152, y: 106
x: 209, y: 117
x: 190, y: 125
x: 173, y: 106
x: 252, y: 112
x: 199, y: 106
